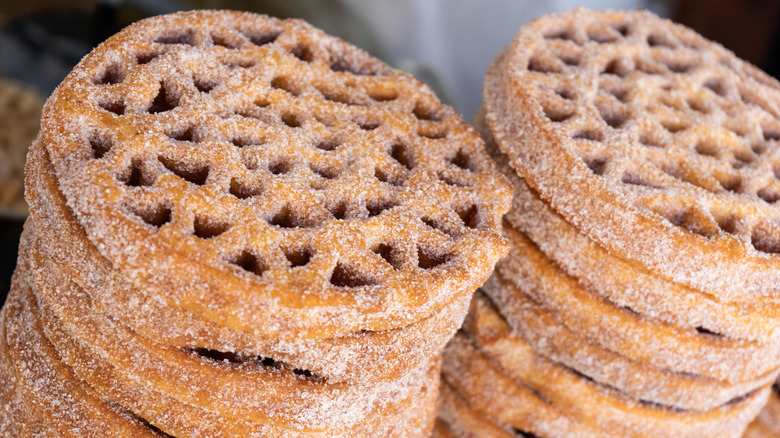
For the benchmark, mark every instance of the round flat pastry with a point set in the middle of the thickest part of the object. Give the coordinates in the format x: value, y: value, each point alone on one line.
x: 625, y: 331
x: 658, y: 144
x: 622, y: 282
x: 273, y: 179
x: 523, y: 321
x: 356, y: 357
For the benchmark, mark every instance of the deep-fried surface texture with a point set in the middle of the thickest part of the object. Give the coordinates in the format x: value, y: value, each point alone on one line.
x: 625, y: 331
x: 273, y: 179
x: 356, y: 357
x: 658, y: 144
x: 528, y: 322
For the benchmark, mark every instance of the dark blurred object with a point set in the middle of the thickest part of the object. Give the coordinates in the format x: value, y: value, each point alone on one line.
x: 10, y: 230
x: 748, y: 28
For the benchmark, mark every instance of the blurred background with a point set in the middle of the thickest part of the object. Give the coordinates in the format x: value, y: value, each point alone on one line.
x: 446, y: 43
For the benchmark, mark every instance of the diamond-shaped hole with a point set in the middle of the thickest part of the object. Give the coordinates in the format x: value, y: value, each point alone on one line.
x: 699, y: 106
x: 587, y: 134
x: 694, y: 222
x: 729, y: 224
x: 205, y: 85
x: 188, y: 134
x: 298, y: 256
x: 207, y: 228
x: 194, y: 173
x: 707, y: 147
x: 243, y: 191
x: 303, y: 52
x: 135, y: 176
x: 453, y: 180
x: 291, y: 120
x: 164, y: 101
x: 338, y: 210
x: 614, y: 119
x: 732, y: 183
x: 427, y: 259
x: 347, y: 276
x: 557, y: 114
x: 176, y: 37
x: 766, y: 240
x: 388, y: 177
x: 288, y: 218
x: 338, y: 96
x: 469, y: 215
x: 438, y: 226
x: 601, y: 36
x: 367, y: 124
x: 674, y: 126
x: 716, y: 86
x: 679, y: 66
x: 659, y: 40
x: 340, y: 64
x: 401, y: 153
x: 770, y: 194
x: 650, y: 139
x: 433, y: 131
x: 262, y: 38
x: 559, y: 35
x: 241, y: 142
x: 771, y: 135
x: 597, y: 165
x: 328, y: 144
x: 619, y: 67
x: 112, y: 74
x: 280, y: 167
x: 156, y: 216
x: 389, y: 254
x: 239, y: 63
x: 100, y: 145
x: 286, y: 84
x: 637, y: 180
x: 223, y: 41
x: 142, y: 58
x: 114, y: 105
x: 424, y: 112
x: 571, y: 59
x: 540, y: 65
x: 248, y: 262
x: 375, y: 208
x: 462, y: 160
x: 327, y: 172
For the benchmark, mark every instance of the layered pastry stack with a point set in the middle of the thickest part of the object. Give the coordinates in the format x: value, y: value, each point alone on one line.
x: 640, y: 297
x: 242, y: 227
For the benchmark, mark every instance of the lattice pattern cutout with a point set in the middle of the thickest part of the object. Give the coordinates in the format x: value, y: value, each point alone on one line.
x: 251, y: 142
x: 665, y: 115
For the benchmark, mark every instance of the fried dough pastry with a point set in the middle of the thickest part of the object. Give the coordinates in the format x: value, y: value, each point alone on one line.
x: 656, y: 143
x: 273, y: 179
x: 624, y: 331
x: 356, y: 357
x: 563, y: 397
x: 243, y: 227
x: 623, y: 282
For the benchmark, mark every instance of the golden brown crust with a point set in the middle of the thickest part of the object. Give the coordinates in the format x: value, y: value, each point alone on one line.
x: 657, y: 144
x: 623, y: 282
x: 209, y: 133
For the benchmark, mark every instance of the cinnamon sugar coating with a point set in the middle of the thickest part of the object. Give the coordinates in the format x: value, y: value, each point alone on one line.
x: 273, y: 179
x: 243, y: 227
x: 658, y: 144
